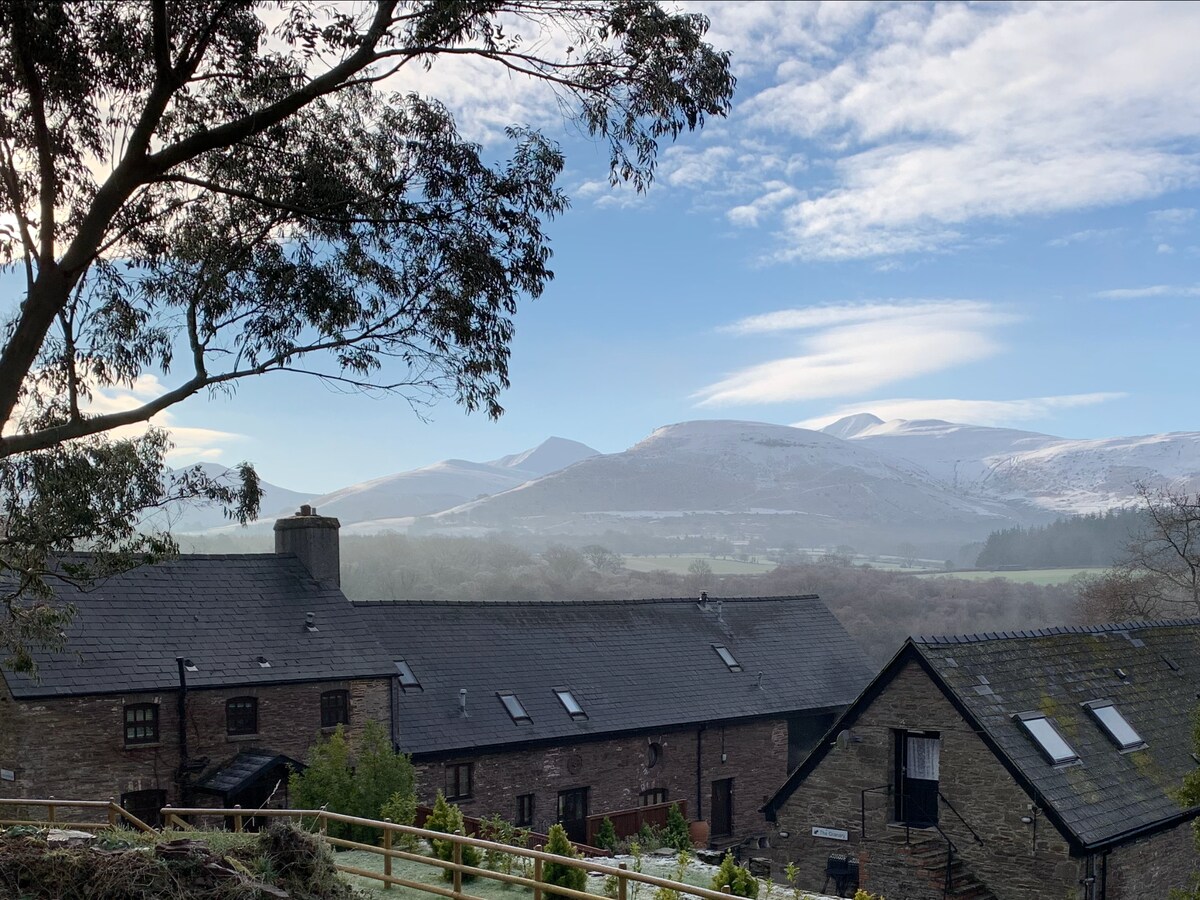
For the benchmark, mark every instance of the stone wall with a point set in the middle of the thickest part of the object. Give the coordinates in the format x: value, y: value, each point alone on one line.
x: 75, y: 747
x: 616, y: 772
x: 1010, y: 861
x: 1152, y: 866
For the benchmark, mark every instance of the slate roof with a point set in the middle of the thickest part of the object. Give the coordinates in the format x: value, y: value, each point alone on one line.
x: 1149, y: 671
x: 631, y: 664
x: 221, y: 611
x: 244, y: 770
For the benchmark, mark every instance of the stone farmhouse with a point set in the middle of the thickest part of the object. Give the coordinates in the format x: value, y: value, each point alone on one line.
x: 200, y: 681
x: 1028, y: 764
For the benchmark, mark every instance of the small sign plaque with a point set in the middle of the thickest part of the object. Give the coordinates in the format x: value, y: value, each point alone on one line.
x: 8, y: 775
x: 833, y: 834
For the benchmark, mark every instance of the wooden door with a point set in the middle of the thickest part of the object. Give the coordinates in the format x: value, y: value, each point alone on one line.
x: 573, y: 813
x: 918, y: 768
x: 721, y: 806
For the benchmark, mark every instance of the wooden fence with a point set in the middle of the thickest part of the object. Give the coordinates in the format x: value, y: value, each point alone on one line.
x: 114, y: 813
x: 534, y: 859
x: 628, y: 822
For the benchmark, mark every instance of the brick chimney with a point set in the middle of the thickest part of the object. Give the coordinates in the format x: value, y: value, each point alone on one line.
x: 314, y: 539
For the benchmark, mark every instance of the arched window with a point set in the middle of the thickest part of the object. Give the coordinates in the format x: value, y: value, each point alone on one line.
x: 241, y: 715
x: 335, y: 709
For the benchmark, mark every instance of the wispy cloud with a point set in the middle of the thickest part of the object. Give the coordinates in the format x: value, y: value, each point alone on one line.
x: 1172, y: 218
x: 1086, y: 236
x: 970, y: 412
x: 1154, y: 290
x: 935, y: 118
x: 849, y: 349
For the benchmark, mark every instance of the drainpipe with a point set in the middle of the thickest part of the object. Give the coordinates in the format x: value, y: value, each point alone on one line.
x: 699, y: 774
x: 181, y: 714
x: 1104, y: 875
x: 393, y: 705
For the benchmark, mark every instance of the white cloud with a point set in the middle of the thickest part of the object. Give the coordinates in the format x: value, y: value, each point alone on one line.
x: 971, y: 412
x: 856, y: 348
x: 1172, y: 218
x: 1154, y: 290
x: 1086, y: 236
x: 935, y: 117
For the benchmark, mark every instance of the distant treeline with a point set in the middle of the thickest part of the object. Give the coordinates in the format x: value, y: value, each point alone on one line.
x: 879, y: 608
x: 1089, y: 540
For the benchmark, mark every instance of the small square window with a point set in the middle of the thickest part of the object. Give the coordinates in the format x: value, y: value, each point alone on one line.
x: 1047, y: 738
x: 524, y: 810
x: 727, y: 658
x: 570, y: 704
x: 241, y: 716
x: 407, y: 678
x: 141, y: 724
x: 1119, y: 731
x: 459, y: 778
x: 335, y: 709
x: 653, y: 796
x: 515, y: 709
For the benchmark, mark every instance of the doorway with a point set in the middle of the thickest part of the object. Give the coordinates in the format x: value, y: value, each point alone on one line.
x: 918, y: 767
x: 573, y: 812
x: 721, y: 806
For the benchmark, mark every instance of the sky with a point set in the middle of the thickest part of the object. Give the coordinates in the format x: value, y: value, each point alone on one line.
x: 984, y: 213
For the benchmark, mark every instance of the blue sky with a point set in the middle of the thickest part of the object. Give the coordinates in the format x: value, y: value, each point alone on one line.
x: 981, y: 213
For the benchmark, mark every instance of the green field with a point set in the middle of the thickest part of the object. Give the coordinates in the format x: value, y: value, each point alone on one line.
x: 679, y: 564
x: 1029, y: 576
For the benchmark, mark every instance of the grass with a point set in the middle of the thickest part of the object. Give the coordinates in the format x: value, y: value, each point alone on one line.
x: 1029, y: 576
x: 679, y: 564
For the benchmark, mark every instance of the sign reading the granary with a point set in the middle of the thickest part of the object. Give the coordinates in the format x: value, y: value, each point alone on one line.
x: 834, y: 834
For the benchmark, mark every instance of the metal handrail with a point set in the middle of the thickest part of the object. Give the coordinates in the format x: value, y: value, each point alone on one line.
x: 862, y: 805
x: 966, y: 824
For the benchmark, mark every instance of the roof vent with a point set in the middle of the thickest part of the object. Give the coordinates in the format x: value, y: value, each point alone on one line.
x: 719, y: 605
x: 704, y: 599
x: 263, y: 663
x: 462, y: 701
x: 310, y: 621
x: 190, y: 666
x: 758, y: 683
x: 1122, y: 674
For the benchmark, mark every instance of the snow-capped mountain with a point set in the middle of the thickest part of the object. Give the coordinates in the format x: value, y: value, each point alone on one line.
x: 1052, y: 473
x: 192, y: 518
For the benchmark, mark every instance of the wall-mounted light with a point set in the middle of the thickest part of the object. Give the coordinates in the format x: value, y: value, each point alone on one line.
x: 1028, y: 820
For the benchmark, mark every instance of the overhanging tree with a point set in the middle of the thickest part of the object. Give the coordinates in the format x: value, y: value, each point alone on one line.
x: 188, y: 191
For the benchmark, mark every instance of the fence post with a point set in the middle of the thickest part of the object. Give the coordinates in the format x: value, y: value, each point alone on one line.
x: 622, y: 884
x: 537, y: 875
x: 458, y: 858
x: 237, y: 819
x: 387, y: 856
x: 112, y: 812
x: 50, y: 812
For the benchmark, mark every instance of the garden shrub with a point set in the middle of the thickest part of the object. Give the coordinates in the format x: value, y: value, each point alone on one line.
x: 554, y: 873
x: 448, y: 819
x: 739, y: 879
x: 676, y: 835
x: 606, y: 837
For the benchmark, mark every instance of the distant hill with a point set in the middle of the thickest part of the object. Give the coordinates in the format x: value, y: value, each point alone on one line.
x: 192, y: 518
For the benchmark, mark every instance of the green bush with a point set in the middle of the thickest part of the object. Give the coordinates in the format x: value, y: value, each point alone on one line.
x: 739, y: 879
x: 448, y: 819
x: 676, y: 835
x: 401, y: 809
x: 606, y: 837
x: 379, y: 775
x: 554, y: 873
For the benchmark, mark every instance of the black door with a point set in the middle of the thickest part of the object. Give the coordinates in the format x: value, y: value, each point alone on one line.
x: 918, y: 759
x: 145, y: 805
x: 572, y: 813
x: 722, y: 807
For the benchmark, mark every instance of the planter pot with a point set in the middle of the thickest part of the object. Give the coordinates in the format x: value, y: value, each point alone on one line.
x: 698, y: 832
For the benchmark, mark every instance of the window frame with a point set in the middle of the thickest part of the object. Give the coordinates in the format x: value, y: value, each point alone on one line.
x: 454, y: 783
x: 526, y: 803
x: 568, y: 699
x: 1094, y: 708
x: 151, y: 723
x: 727, y: 657
x: 406, y: 676
x: 230, y: 719
x: 648, y: 795
x: 514, y: 707
x: 333, y: 715
x: 1023, y: 719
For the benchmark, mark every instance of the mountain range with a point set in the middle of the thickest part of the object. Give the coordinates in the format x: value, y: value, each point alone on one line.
x: 860, y: 480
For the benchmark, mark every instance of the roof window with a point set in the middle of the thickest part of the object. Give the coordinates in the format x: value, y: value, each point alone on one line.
x: 567, y: 699
x: 514, y: 707
x: 1047, y: 738
x: 727, y: 658
x: 407, y: 678
x: 1114, y: 724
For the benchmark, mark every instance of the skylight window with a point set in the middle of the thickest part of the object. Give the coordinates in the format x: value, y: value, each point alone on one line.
x: 515, y: 709
x: 407, y: 678
x: 1047, y: 738
x: 1119, y: 731
x: 727, y: 658
x: 570, y: 704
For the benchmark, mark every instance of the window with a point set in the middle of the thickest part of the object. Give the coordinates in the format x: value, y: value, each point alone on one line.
x: 1119, y: 731
x: 241, y: 716
x: 654, y: 795
x: 514, y: 707
x: 727, y: 658
x: 653, y: 754
x: 335, y: 709
x: 570, y: 704
x: 524, y: 810
x: 407, y: 678
x: 458, y: 780
x: 1047, y: 738
x: 141, y: 724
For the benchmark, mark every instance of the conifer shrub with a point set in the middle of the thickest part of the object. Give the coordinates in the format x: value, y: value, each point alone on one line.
x: 555, y: 873
x: 740, y: 881
x: 448, y: 819
x: 606, y: 837
x: 677, y: 836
